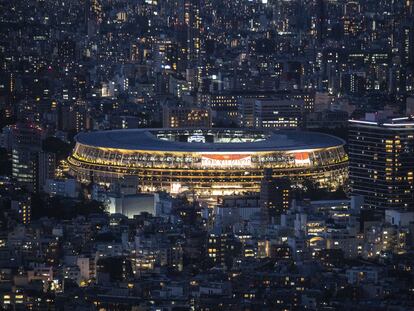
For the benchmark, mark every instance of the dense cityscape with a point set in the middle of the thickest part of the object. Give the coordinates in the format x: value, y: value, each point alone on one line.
x: 207, y: 155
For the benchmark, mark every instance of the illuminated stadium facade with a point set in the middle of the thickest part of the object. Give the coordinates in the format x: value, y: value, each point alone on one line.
x: 207, y: 162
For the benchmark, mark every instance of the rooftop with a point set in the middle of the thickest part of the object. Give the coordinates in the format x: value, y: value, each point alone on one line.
x: 375, y: 119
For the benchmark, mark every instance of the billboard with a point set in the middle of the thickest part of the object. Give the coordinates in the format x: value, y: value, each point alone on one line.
x: 302, y: 158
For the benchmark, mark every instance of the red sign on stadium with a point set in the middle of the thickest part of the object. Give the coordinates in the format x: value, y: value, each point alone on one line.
x: 302, y: 158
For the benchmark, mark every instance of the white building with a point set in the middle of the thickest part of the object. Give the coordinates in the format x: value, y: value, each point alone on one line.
x: 62, y: 187
x: 131, y: 205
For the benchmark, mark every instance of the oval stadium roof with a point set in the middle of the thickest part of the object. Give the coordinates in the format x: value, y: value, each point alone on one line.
x: 146, y: 139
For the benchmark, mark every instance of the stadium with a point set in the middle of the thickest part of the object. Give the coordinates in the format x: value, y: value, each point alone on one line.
x: 207, y: 162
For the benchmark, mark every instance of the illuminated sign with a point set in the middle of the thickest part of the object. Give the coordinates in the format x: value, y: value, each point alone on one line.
x: 226, y: 160
x: 302, y: 158
x: 196, y: 139
x: 175, y: 187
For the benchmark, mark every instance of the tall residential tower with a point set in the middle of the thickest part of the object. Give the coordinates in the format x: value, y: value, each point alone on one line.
x: 381, y: 162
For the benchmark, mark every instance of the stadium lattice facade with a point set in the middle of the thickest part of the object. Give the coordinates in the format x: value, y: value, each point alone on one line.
x: 207, y: 162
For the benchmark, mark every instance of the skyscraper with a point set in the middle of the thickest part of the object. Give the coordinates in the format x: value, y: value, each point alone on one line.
x: 320, y: 21
x: 26, y: 145
x: 31, y: 166
x: 381, y: 162
x: 193, y: 22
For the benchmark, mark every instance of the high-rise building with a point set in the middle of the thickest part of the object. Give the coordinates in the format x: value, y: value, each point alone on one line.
x: 381, y: 162
x: 321, y: 16
x: 46, y: 168
x: 275, y: 195
x: 23, y: 209
x: 66, y: 50
x: 26, y: 145
x: 31, y: 166
x: 166, y: 55
x: 274, y: 110
x: 174, y: 117
x: 192, y: 20
x: 224, y: 108
x: 221, y: 247
x: 72, y: 118
x: 278, y: 113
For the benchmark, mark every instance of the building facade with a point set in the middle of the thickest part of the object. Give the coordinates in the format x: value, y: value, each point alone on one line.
x: 184, y: 117
x: 381, y: 165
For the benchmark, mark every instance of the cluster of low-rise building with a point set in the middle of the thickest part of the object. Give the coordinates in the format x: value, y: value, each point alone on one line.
x: 174, y: 254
